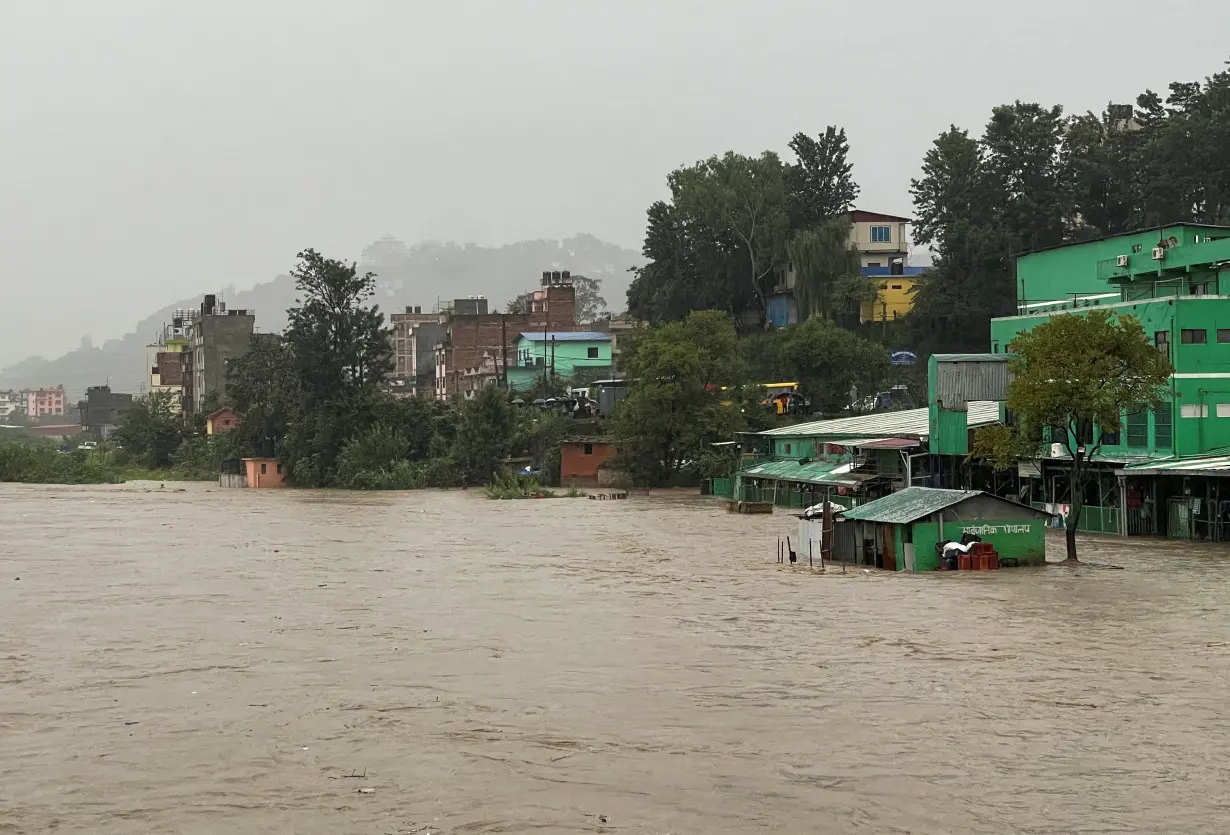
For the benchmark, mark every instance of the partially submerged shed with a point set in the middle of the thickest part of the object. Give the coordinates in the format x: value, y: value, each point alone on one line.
x: 900, y: 532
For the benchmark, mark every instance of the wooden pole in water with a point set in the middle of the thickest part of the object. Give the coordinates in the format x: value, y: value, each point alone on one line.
x: 826, y: 529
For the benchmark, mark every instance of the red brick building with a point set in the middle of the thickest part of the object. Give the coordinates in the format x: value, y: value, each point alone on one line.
x: 471, y: 333
x: 223, y: 420
x: 579, y: 460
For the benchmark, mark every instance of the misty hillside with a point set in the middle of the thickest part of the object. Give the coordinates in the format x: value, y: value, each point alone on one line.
x: 406, y: 275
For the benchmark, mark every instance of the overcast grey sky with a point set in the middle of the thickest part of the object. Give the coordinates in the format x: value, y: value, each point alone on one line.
x: 154, y: 149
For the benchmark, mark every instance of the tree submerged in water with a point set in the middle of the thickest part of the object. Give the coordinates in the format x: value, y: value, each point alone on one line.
x: 1076, y: 376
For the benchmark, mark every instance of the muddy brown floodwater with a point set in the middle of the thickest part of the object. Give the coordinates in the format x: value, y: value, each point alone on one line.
x: 281, y: 661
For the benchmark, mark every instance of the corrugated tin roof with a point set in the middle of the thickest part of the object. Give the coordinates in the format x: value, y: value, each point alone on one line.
x: 908, y: 505
x: 889, y: 443
x: 913, y: 423
x: 813, y: 472
x: 1211, y: 464
x: 972, y: 357
x: 566, y: 336
x: 914, y: 503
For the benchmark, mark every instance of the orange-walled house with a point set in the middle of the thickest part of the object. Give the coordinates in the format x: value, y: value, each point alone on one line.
x: 263, y: 472
x: 580, y: 459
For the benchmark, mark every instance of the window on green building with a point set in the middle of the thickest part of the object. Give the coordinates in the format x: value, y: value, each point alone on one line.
x: 591, y: 353
x: 1138, y: 429
x: 1162, y: 340
x: 1111, y: 438
x: 1163, y: 426
x: 1193, y: 336
x: 1223, y: 335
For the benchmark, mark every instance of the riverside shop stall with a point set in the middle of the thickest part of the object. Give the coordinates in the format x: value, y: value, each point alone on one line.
x: 900, y: 532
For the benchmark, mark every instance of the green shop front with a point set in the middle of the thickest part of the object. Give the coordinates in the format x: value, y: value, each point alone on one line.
x: 900, y: 532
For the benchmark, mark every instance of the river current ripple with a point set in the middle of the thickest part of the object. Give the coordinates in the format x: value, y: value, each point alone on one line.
x: 291, y: 661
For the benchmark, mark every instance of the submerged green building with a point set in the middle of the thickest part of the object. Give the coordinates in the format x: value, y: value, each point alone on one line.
x: 1167, y: 471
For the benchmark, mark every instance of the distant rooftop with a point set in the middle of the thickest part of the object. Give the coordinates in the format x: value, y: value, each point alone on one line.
x: 566, y: 336
x: 1141, y: 231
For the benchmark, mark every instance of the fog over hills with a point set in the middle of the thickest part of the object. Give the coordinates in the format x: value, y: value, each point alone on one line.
x: 422, y: 274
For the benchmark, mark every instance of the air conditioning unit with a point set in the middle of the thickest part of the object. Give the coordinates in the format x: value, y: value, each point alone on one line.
x: 1159, y: 253
x: 1057, y: 450
x: 1122, y: 260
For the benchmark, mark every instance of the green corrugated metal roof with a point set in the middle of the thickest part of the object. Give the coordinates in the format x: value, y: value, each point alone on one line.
x: 813, y: 472
x: 908, y: 505
x: 914, y: 503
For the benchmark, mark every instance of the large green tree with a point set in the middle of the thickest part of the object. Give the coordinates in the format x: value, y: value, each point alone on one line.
x: 673, y: 408
x: 262, y: 386
x: 720, y: 241
x: 152, y: 429
x: 827, y: 270
x: 486, y: 429
x: 339, y: 352
x: 830, y: 363
x: 820, y: 183
x: 1075, y: 376
x: 743, y: 198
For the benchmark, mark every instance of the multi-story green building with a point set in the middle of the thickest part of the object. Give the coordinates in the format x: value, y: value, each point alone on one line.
x: 562, y: 353
x: 1167, y: 471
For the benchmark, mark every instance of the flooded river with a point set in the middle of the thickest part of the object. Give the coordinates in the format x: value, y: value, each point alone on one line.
x: 280, y: 661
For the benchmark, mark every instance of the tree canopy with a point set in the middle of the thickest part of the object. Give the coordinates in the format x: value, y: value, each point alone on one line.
x: 722, y: 241
x: 673, y: 407
x: 827, y: 361
x: 1075, y: 376
x: 1036, y: 178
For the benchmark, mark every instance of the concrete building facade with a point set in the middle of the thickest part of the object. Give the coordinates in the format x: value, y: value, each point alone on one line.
x: 562, y: 353
x: 1165, y: 472
x: 11, y: 403
x: 103, y: 410
x: 470, y: 334
x: 883, y: 243
x: 413, y: 337
x: 44, y: 402
x: 215, y: 336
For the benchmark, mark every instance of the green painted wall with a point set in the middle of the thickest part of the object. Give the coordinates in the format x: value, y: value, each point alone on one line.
x: 925, y: 536
x: 1202, y: 369
x: 794, y: 447
x: 526, y: 367
x: 1088, y: 268
x: 1028, y: 546
x: 949, y: 431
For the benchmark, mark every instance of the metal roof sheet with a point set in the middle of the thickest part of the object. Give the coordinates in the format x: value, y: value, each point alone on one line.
x: 914, y: 503
x: 813, y: 472
x: 1211, y: 464
x: 909, y: 422
x: 889, y: 443
x: 907, y: 505
x: 566, y: 336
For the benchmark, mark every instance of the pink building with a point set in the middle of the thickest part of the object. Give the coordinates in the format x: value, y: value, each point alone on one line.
x: 40, y: 402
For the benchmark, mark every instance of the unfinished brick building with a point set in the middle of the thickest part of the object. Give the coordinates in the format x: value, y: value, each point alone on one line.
x: 471, y: 332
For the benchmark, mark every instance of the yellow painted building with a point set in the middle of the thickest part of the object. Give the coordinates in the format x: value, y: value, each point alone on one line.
x: 893, y: 301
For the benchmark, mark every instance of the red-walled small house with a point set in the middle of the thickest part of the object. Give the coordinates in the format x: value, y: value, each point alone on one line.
x: 579, y: 460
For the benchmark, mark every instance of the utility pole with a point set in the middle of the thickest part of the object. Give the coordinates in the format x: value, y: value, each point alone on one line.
x: 504, y: 347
